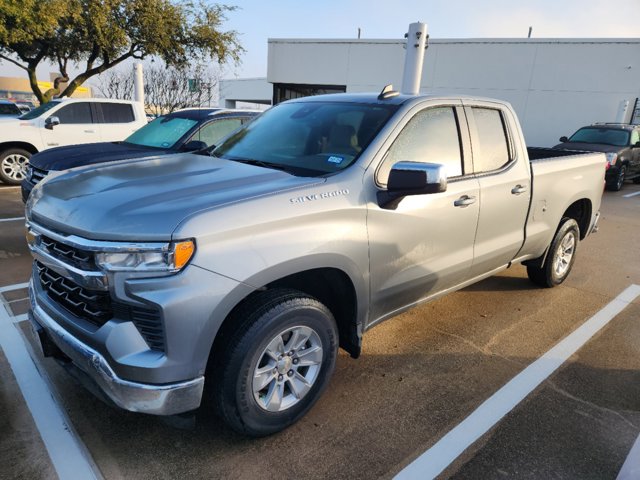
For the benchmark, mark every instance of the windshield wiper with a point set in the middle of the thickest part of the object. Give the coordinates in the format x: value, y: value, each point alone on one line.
x: 261, y: 163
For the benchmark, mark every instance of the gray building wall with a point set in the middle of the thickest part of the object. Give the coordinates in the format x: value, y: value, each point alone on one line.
x: 555, y: 85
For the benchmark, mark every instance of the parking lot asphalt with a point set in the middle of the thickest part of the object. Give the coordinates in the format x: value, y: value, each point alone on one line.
x: 420, y: 375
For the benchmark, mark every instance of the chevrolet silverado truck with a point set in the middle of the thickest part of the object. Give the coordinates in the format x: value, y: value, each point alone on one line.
x: 233, y: 279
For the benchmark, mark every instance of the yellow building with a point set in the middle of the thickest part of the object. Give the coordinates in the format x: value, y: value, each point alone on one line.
x: 18, y: 89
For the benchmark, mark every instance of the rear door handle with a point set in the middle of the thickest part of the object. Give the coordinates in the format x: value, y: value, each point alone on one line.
x: 518, y: 189
x: 464, y: 201
x: 89, y: 131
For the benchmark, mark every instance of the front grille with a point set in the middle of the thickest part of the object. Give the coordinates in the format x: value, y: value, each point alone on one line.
x: 97, y: 308
x: 37, y: 175
x: 76, y: 257
x: 90, y: 305
x: 146, y: 320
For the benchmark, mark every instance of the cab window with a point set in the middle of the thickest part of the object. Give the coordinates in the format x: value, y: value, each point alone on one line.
x: 490, y: 147
x: 431, y: 136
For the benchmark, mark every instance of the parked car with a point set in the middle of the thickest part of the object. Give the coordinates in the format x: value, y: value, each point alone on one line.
x: 9, y: 109
x: 68, y: 121
x: 25, y: 107
x: 234, y: 278
x: 620, y: 143
x: 182, y: 131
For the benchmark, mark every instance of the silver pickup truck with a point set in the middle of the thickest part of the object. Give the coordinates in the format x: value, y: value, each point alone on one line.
x: 232, y: 279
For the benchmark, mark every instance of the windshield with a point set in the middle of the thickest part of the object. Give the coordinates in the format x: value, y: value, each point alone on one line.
x: 36, y: 112
x: 605, y: 136
x: 163, y: 132
x: 307, y: 138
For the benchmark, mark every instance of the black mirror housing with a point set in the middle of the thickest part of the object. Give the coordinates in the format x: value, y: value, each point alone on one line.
x: 51, y: 122
x: 412, y: 178
x: 564, y: 139
x: 194, y: 146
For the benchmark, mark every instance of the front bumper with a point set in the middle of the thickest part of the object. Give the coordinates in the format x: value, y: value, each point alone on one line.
x: 167, y: 399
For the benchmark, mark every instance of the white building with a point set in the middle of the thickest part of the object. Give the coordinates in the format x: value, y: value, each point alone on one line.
x: 555, y: 85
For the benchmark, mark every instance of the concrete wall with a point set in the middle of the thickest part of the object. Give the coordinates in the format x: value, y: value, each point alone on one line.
x: 246, y: 90
x: 555, y: 85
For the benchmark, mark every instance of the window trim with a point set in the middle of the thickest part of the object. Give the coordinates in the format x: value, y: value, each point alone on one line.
x: 463, y: 142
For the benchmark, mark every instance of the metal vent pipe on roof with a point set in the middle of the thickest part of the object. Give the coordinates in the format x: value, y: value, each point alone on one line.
x: 414, y: 58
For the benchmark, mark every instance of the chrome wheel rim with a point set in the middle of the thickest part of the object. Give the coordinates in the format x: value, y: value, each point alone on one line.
x: 564, y: 254
x: 287, y: 369
x: 14, y: 166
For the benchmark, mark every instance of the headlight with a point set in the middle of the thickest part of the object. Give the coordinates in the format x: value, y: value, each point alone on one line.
x: 166, y: 258
x: 611, y: 158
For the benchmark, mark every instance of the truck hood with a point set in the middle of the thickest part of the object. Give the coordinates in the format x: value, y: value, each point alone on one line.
x: 588, y: 147
x: 145, y: 200
x: 63, y: 158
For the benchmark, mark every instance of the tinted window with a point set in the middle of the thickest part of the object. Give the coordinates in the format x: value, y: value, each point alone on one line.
x: 431, y: 136
x: 163, y: 132
x: 9, y: 109
x: 74, y: 113
x: 213, y: 132
x: 117, y: 113
x: 606, y: 136
x: 490, y: 150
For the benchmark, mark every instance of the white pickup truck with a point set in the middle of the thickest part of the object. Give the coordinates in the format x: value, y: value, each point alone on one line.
x: 67, y: 121
x: 238, y: 275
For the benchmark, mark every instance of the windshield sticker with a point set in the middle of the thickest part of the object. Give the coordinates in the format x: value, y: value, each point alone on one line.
x: 335, y: 159
x: 165, y: 144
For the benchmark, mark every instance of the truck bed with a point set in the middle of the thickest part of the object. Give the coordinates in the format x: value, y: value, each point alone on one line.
x: 543, y: 153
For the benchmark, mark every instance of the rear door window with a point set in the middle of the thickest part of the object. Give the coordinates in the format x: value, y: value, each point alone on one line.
x: 491, y: 145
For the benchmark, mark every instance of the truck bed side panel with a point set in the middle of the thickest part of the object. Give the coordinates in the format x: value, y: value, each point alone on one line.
x: 558, y: 182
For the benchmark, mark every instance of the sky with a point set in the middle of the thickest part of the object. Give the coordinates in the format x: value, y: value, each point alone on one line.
x: 258, y: 20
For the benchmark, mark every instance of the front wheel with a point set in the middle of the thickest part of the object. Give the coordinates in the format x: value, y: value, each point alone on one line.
x: 276, y: 364
x: 13, y: 165
x: 618, y: 182
x: 560, y: 258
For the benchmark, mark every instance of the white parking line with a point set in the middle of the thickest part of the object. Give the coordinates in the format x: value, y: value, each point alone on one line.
x: 631, y: 195
x: 448, y: 448
x: 68, y: 455
x: 16, y: 286
x: 14, y: 219
x: 631, y: 467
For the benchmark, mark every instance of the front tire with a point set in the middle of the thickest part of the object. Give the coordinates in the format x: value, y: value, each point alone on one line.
x: 618, y: 182
x: 560, y: 258
x: 13, y: 165
x: 276, y: 364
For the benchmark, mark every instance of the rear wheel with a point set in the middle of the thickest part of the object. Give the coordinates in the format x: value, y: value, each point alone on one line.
x: 13, y: 165
x: 276, y: 364
x: 560, y: 258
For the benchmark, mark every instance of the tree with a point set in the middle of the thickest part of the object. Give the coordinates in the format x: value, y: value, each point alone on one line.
x: 100, y: 34
x: 166, y: 88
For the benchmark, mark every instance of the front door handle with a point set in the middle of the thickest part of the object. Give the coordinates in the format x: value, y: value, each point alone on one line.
x: 464, y: 201
x: 89, y: 131
x: 518, y: 189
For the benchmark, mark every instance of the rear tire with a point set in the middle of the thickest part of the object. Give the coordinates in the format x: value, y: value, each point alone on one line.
x: 276, y: 364
x: 560, y: 257
x: 13, y: 165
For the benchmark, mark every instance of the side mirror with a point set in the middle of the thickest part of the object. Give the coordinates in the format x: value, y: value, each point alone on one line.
x: 564, y: 139
x: 636, y: 145
x: 51, y: 122
x: 194, y: 146
x: 412, y: 178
